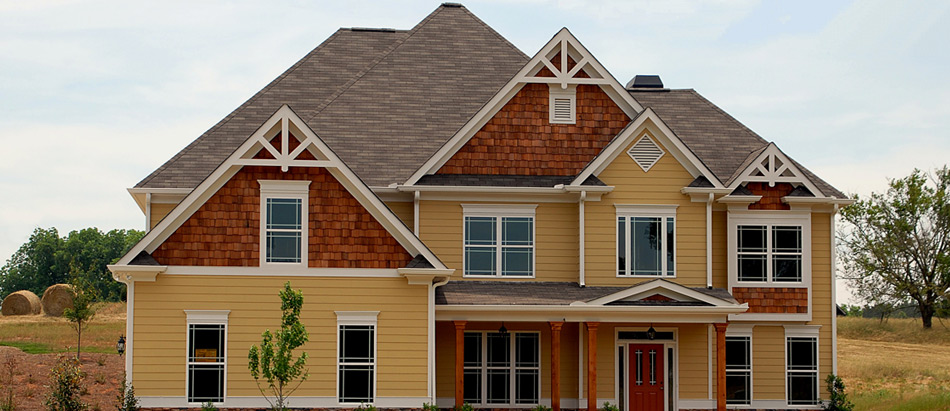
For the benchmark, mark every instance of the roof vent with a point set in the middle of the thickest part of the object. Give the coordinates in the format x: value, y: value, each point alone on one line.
x: 645, y: 81
x: 451, y: 4
x: 645, y: 152
x: 373, y: 29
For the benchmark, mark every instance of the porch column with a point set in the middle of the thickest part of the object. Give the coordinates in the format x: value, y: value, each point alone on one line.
x: 592, y: 366
x: 721, y: 366
x: 556, y: 364
x: 459, y: 362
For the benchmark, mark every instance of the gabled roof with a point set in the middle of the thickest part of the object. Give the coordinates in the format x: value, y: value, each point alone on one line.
x: 401, y: 92
x: 285, y: 122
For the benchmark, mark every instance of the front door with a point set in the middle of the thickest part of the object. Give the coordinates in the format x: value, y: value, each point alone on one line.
x: 646, y: 377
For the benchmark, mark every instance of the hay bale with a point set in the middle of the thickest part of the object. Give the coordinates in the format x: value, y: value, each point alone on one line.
x: 21, y: 303
x: 57, y: 298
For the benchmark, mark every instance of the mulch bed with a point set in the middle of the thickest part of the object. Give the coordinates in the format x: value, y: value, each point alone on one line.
x: 30, y: 380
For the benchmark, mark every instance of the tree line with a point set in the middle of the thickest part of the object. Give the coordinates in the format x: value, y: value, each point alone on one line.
x: 81, y: 256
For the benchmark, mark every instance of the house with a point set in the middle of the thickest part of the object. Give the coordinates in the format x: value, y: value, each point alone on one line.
x: 470, y: 224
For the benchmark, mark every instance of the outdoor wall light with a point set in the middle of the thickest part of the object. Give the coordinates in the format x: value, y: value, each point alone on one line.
x: 651, y: 333
x: 120, y: 346
x: 503, y: 330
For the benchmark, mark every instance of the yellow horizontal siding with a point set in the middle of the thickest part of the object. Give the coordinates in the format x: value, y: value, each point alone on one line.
x: 160, y: 329
x: 159, y: 211
x: 403, y: 210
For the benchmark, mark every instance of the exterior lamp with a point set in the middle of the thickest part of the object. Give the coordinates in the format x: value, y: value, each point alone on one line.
x: 651, y: 333
x: 503, y: 330
x: 120, y: 346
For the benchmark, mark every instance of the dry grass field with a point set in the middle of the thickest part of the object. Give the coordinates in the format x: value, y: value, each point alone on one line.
x: 896, y: 365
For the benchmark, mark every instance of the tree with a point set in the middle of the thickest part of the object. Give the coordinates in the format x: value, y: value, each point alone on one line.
x: 896, y: 246
x: 66, y: 384
x: 84, y: 298
x: 274, y: 361
x: 35, y: 265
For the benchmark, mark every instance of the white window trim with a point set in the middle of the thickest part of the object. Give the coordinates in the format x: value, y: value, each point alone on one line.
x: 744, y: 331
x: 357, y: 318
x: 667, y: 345
x: 291, y: 189
x: 512, y: 369
x: 645, y: 210
x: 500, y: 211
x: 769, y: 219
x: 556, y: 92
x: 804, y: 331
x: 206, y: 317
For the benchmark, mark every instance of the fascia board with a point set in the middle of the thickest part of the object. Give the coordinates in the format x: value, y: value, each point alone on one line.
x: 660, y: 284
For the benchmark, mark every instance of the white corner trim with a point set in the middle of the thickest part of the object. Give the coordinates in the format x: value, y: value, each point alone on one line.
x: 357, y: 317
x: 207, y: 316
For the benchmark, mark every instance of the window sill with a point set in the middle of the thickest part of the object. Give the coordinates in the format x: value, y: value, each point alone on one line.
x: 644, y: 276
x: 498, y: 277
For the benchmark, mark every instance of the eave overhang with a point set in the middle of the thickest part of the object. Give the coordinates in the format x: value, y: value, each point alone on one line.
x: 671, y: 314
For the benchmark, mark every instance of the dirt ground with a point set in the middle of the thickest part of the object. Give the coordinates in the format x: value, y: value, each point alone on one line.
x: 30, y: 378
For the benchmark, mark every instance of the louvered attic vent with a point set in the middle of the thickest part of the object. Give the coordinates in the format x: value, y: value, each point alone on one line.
x: 562, y: 109
x: 646, y: 153
x: 563, y: 105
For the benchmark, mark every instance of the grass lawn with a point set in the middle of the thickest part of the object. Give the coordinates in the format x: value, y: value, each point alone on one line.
x: 896, y: 365
x: 38, y: 334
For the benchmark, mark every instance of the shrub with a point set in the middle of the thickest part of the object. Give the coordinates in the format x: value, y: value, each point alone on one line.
x: 208, y: 406
x: 464, y: 407
x: 839, y: 399
x: 126, y: 400
x: 65, y: 386
x: 540, y: 407
x: 429, y: 407
x: 9, y: 372
x: 609, y: 407
x: 366, y: 407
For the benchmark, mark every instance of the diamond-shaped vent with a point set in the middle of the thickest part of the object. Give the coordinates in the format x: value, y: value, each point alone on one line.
x: 646, y: 153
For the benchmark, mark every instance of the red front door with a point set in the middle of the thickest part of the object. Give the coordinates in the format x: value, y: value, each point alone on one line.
x: 646, y: 377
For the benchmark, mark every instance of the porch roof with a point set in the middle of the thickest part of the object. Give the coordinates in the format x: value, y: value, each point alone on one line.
x: 556, y: 293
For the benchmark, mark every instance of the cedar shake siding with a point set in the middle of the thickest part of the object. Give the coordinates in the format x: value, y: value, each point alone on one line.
x: 519, y: 139
x: 771, y: 196
x: 225, y: 230
x: 773, y: 300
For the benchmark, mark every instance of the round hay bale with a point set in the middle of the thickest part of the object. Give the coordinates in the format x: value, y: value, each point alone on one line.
x: 21, y: 303
x: 57, y: 298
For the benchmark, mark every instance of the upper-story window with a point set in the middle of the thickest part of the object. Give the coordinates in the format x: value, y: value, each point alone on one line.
x: 646, y: 240
x: 284, y: 221
x: 499, y: 240
x: 769, y: 247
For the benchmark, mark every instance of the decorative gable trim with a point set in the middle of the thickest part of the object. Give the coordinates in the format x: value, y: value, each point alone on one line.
x: 286, y: 122
x: 664, y: 288
x: 568, y: 46
x: 645, y: 152
x: 666, y: 138
x: 772, y: 166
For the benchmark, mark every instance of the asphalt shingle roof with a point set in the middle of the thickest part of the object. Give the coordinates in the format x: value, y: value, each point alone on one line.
x: 535, y: 293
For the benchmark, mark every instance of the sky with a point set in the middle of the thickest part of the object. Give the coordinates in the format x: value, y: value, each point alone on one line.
x: 95, y: 95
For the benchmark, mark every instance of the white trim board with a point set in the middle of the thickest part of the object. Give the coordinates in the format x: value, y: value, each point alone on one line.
x: 283, y: 119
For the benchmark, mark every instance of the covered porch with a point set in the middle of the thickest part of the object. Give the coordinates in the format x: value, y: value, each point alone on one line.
x: 653, y: 346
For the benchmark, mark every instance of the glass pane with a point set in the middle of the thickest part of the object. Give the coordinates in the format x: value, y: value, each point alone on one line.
x: 283, y: 213
x: 752, y: 267
x: 622, y: 245
x: 786, y: 268
x: 802, y: 388
x: 670, y: 247
x: 473, y: 350
x: 499, y: 350
x: 751, y: 238
x: 356, y: 343
x: 526, y: 386
x: 479, y: 230
x: 516, y: 261
x: 787, y: 239
x: 207, y: 343
x: 356, y: 383
x: 499, y: 382
x: 283, y: 247
x: 517, y: 231
x: 472, y: 392
x: 526, y: 350
x: 638, y: 355
x: 802, y: 353
x: 206, y: 383
x: 737, y: 388
x: 737, y: 353
x: 479, y: 261
x: 644, y: 236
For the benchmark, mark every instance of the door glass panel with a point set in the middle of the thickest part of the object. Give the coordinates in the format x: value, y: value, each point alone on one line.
x: 639, y: 357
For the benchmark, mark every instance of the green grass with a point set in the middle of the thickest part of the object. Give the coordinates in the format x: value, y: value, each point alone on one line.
x: 37, y: 334
x: 897, y: 400
x: 902, y: 330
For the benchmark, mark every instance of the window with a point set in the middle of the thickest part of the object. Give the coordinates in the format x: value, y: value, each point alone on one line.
x: 646, y: 241
x: 738, y: 370
x: 499, y: 241
x: 769, y: 253
x: 206, y: 359
x: 284, y: 221
x: 802, y: 370
x: 356, y: 364
x: 502, y: 368
x: 562, y: 104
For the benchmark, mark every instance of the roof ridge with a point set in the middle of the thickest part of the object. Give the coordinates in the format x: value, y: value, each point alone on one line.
x: 382, y: 56
x: 233, y: 113
x: 494, y: 32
